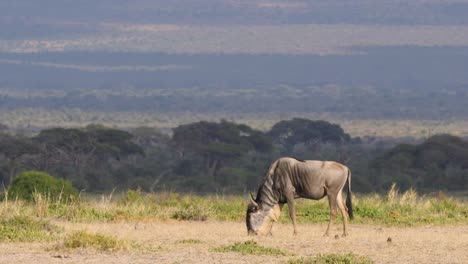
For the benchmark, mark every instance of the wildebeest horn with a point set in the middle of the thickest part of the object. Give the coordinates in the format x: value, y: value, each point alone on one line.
x: 252, y: 199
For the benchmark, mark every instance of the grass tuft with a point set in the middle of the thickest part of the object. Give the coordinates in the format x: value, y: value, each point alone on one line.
x: 27, y: 229
x: 392, y: 194
x: 194, y: 212
x: 83, y: 239
x: 347, y: 258
x: 190, y: 241
x: 251, y: 247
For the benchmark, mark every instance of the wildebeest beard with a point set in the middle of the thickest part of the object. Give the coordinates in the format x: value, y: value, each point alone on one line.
x: 260, y: 221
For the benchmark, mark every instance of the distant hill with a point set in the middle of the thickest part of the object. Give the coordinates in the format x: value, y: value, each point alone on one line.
x: 34, y: 15
x: 405, y: 82
x: 357, y: 59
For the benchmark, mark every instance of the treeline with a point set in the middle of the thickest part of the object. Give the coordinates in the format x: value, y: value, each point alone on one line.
x: 226, y: 157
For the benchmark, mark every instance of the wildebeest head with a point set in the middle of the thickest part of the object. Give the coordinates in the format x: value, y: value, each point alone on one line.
x: 260, y: 217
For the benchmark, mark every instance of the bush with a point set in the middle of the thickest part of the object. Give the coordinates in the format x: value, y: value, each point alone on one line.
x: 28, y: 183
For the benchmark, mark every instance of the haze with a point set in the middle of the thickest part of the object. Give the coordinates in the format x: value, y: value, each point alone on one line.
x: 177, y: 61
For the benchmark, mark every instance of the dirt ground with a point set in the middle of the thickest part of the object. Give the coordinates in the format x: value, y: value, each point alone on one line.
x: 428, y: 244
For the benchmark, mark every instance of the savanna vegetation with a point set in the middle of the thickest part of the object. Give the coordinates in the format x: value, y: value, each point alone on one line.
x: 40, y: 220
x: 201, y: 171
x: 394, y: 208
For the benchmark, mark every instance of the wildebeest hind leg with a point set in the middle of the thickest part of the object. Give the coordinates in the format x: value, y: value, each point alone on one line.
x: 292, y: 213
x: 344, y: 214
x: 332, y: 203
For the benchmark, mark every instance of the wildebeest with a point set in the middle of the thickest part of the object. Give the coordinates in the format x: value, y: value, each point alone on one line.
x: 288, y: 179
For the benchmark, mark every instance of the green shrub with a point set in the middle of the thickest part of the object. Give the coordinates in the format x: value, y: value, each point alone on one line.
x: 28, y: 183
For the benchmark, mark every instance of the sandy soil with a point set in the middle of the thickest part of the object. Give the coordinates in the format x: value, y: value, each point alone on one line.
x: 429, y: 244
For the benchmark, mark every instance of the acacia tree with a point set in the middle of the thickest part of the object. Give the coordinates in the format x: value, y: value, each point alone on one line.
x: 65, y: 147
x: 159, y: 158
x: 112, y: 143
x: 440, y: 162
x: 289, y: 133
x: 14, y: 149
x: 218, y: 143
x: 79, y: 149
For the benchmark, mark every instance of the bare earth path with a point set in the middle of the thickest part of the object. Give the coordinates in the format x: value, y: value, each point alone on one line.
x: 429, y: 244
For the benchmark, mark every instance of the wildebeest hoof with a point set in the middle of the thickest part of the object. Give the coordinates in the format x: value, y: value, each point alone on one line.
x: 337, y: 237
x: 344, y: 235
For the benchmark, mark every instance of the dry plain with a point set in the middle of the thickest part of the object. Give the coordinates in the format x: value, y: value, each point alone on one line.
x: 164, y: 243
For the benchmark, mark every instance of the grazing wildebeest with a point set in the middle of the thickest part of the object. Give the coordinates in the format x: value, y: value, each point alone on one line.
x: 289, y: 178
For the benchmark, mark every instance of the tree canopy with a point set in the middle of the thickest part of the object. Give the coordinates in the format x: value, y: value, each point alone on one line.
x: 229, y: 157
x: 441, y: 161
x: 218, y: 143
x: 300, y: 130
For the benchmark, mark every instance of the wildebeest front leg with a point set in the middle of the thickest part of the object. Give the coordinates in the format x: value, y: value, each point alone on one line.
x: 332, y: 203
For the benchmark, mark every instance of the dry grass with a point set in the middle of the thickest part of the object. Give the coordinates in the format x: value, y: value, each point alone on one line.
x: 141, y: 228
x: 393, y: 209
x: 348, y: 258
x: 427, y: 244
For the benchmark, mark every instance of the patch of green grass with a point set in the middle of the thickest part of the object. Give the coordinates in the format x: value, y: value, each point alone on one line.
x: 228, y: 208
x: 83, y: 239
x: 308, y: 211
x: 27, y: 229
x: 190, y: 241
x: 251, y: 247
x: 347, y: 258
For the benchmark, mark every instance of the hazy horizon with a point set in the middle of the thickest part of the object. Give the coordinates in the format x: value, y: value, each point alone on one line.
x: 339, y: 60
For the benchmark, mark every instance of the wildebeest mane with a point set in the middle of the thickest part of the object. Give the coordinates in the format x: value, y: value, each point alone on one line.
x: 265, y: 194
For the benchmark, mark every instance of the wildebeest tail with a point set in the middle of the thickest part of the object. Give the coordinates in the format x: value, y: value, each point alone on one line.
x: 349, y: 203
